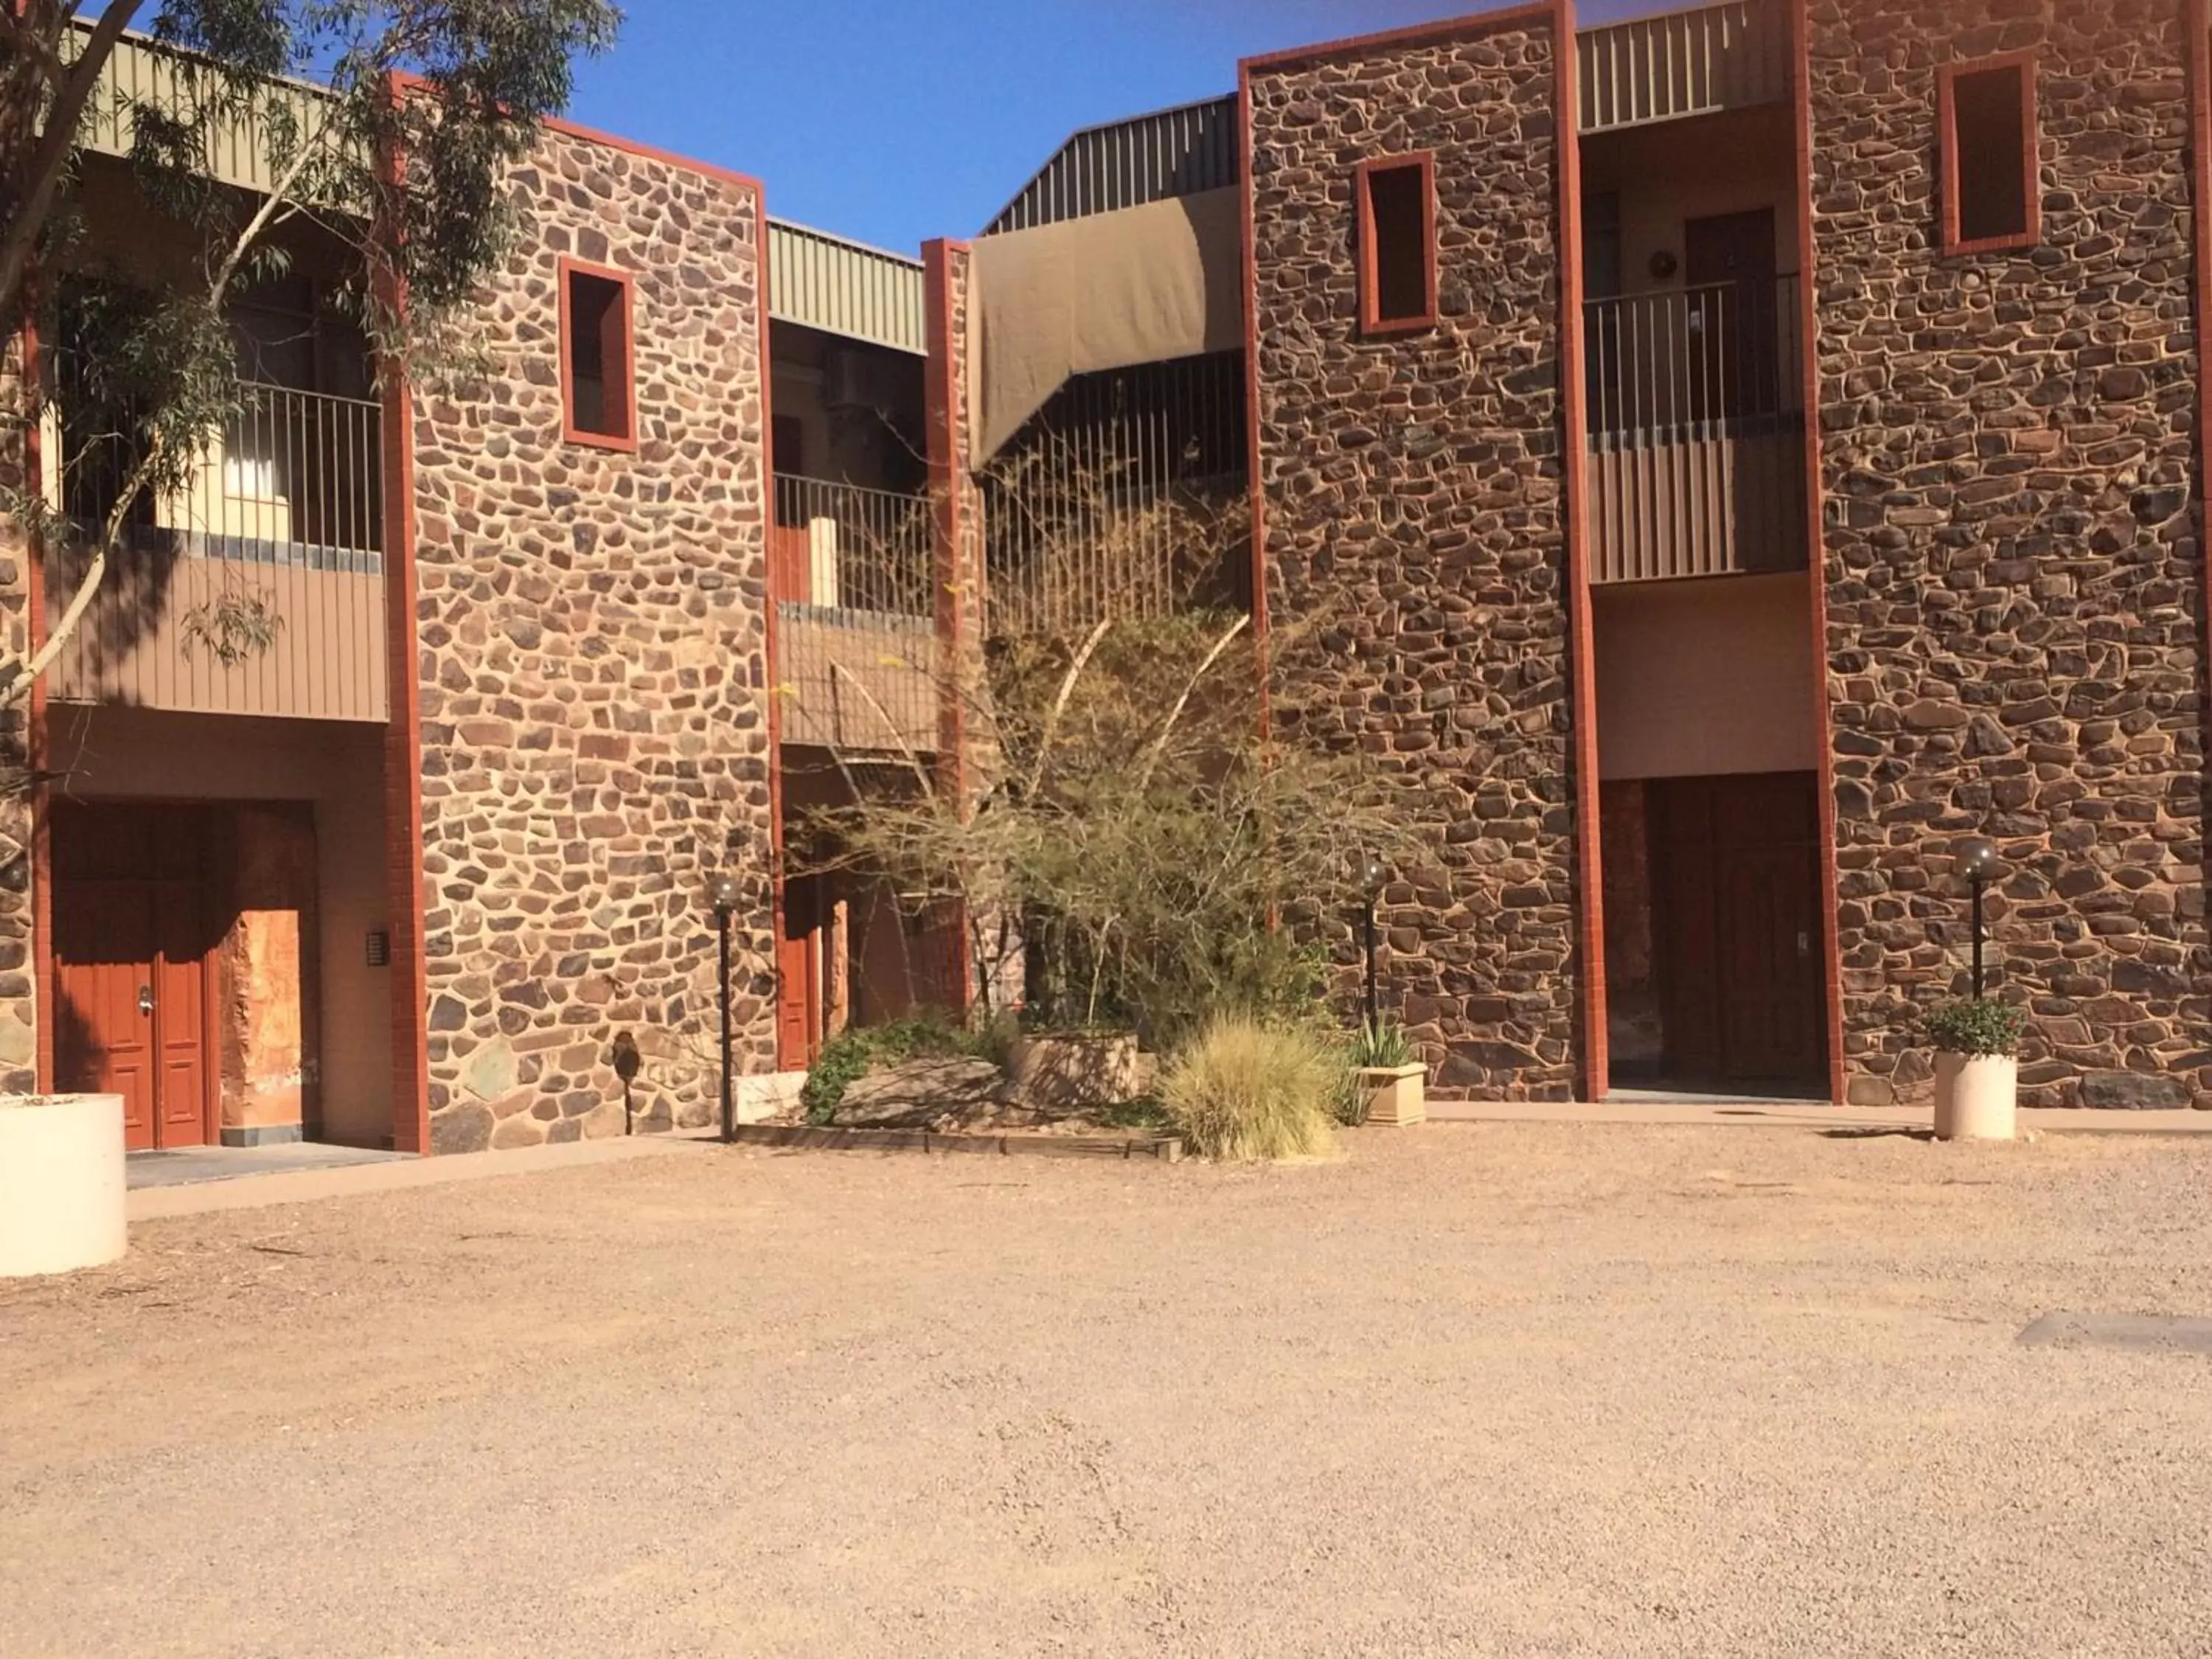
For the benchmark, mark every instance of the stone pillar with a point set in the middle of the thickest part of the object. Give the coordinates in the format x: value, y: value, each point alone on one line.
x: 1416, y: 538
x: 20, y: 592
x: 948, y: 277
x: 2016, y: 641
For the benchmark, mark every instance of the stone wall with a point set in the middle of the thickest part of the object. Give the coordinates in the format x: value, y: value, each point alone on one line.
x: 2012, y: 562
x: 1415, y: 545
x: 593, y: 671
x: 19, y: 1015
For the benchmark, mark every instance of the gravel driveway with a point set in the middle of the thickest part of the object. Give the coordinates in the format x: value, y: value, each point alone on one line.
x: 1477, y: 1389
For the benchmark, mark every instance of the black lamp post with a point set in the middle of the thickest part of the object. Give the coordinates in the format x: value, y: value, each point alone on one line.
x: 1980, y: 862
x: 725, y: 894
x: 1372, y: 875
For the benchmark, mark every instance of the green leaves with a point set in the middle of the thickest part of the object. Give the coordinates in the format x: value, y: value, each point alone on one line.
x: 1977, y: 1028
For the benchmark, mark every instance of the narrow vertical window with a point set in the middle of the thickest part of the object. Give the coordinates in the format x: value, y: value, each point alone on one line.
x: 1397, y: 205
x: 1987, y: 111
x: 596, y: 357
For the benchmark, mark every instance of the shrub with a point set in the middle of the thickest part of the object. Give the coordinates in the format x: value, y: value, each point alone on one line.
x: 1244, y: 1092
x: 1980, y: 1029
x: 1382, y: 1046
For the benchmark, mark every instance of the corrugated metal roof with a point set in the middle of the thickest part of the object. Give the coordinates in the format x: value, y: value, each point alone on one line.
x: 143, y: 72
x: 1124, y: 164
x: 845, y: 287
x: 1661, y: 68
x: 1681, y: 63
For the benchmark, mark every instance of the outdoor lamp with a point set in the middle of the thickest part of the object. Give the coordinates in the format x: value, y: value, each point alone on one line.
x: 723, y: 893
x: 1978, y: 859
x: 1372, y: 875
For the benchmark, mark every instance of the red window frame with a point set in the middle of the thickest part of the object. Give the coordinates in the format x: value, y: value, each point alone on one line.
x: 1946, y: 117
x: 618, y: 360
x: 1373, y: 322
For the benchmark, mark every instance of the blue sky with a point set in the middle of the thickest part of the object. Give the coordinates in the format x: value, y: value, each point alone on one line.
x: 893, y: 120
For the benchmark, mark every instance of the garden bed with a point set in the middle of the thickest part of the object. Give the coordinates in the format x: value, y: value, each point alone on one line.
x: 1165, y: 1149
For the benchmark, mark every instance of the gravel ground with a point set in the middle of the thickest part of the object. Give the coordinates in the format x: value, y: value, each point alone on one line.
x: 1497, y: 1390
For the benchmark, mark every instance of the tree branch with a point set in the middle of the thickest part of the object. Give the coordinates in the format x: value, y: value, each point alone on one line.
x: 51, y: 159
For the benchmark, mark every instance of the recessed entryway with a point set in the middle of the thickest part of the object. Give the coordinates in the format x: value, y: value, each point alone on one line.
x: 1713, y: 937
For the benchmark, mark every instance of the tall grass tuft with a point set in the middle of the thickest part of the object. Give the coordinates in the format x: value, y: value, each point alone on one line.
x: 1243, y: 1092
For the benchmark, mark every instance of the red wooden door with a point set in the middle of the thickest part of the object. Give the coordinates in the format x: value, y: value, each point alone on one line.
x: 798, y: 974
x: 132, y: 954
x: 180, y: 1013
x: 104, y: 1025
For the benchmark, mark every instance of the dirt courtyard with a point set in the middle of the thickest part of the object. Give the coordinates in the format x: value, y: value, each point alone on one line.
x: 1476, y: 1389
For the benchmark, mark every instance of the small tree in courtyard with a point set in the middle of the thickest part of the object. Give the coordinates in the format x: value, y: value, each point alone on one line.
x: 1124, y: 829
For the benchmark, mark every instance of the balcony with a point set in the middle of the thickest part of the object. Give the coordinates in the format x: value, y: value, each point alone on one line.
x: 851, y: 570
x: 1697, y: 423
x: 256, y: 589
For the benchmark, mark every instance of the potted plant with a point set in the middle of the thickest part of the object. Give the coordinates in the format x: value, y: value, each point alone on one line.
x: 61, y: 1182
x: 1977, y: 1069
x: 1388, y: 1075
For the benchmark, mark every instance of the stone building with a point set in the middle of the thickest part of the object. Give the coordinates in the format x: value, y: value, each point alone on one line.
x: 1716, y: 462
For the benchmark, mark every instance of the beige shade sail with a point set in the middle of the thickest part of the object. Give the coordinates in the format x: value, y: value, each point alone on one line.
x: 1144, y: 285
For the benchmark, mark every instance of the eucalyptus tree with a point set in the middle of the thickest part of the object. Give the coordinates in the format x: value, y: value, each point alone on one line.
x: 395, y: 153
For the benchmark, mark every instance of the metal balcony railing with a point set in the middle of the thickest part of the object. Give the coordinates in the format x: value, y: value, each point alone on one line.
x: 255, y: 587
x: 853, y: 575
x: 1696, y: 400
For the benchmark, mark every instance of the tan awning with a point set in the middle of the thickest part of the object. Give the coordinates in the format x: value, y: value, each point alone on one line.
x: 1146, y: 284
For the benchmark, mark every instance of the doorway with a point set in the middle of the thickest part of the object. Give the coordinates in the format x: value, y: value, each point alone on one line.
x: 135, y: 945
x: 800, y: 1017
x: 1735, y: 871
x: 1736, y: 343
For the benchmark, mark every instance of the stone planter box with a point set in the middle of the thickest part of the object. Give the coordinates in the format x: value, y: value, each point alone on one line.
x: 61, y: 1182
x: 1396, y: 1094
x: 1082, y: 1072
x: 1977, y: 1097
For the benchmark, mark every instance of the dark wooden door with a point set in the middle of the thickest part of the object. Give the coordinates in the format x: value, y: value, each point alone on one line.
x: 1727, y: 263
x: 1735, y: 864
x: 133, y: 957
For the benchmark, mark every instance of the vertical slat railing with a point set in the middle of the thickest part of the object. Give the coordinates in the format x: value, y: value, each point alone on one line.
x: 1696, y: 400
x: 254, y: 587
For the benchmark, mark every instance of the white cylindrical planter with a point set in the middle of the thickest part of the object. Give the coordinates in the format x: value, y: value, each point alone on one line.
x: 61, y: 1182
x: 1977, y: 1097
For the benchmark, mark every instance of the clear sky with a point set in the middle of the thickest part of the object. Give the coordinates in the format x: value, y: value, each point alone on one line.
x: 893, y: 120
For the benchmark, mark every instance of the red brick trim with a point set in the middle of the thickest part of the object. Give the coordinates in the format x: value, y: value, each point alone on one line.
x: 2198, y: 19
x: 402, y: 81
x: 1816, y: 554
x: 402, y: 750
x: 621, y: 354
x: 651, y: 153
x: 1373, y: 322
x: 1419, y: 34
x: 36, y: 744
x: 1947, y: 140
x: 1582, y: 622
x: 948, y: 473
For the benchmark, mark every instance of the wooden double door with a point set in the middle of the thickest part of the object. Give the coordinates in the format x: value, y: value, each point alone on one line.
x: 1736, y: 927
x: 134, y: 965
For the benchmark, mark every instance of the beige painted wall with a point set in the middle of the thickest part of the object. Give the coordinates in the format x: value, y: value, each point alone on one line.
x: 1697, y: 679
x: 119, y: 752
